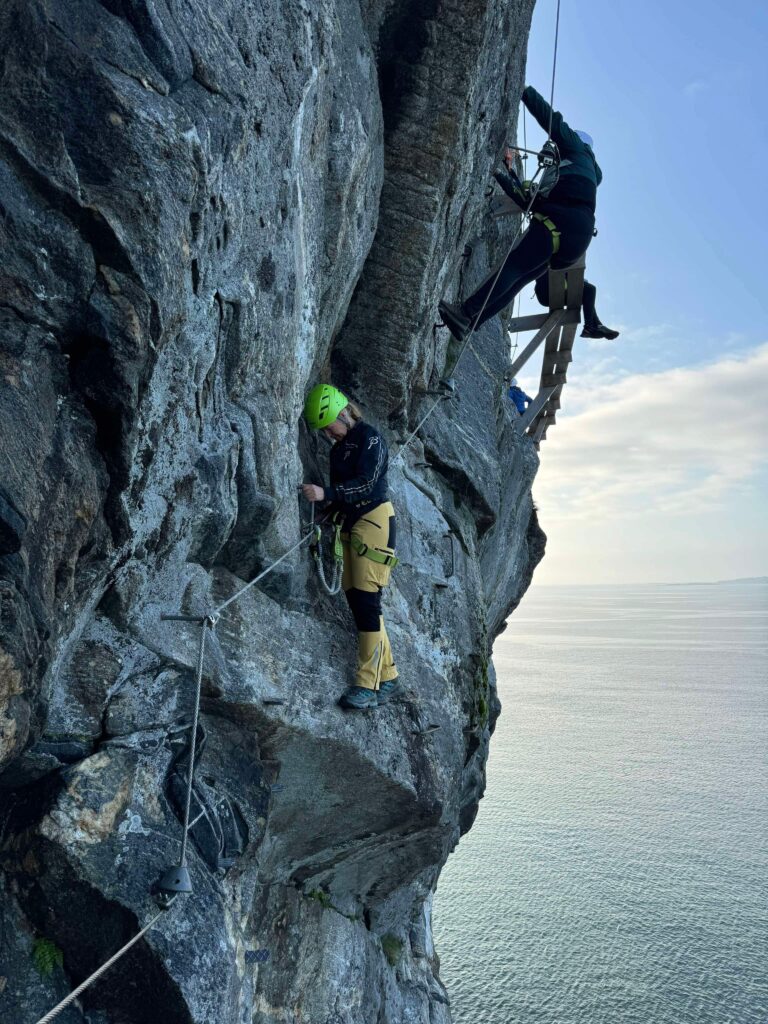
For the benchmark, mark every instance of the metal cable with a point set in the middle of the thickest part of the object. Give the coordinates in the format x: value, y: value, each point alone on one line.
x: 98, y: 973
x: 193, y: 742
x: 554, y: 69
x: 520, y: 294
x: 298, y: 544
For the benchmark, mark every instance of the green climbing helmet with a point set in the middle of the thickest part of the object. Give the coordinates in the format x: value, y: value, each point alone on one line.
x: 323, y: 405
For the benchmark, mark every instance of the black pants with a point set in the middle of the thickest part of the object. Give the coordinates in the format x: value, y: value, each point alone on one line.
x: 532, y: 256
x: 589, y: 295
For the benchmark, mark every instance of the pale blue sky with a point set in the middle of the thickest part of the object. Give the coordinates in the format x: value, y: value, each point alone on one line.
x: 667, y: 425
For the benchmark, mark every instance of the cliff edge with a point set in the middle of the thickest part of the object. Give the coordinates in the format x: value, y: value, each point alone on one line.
x: 205, y: 209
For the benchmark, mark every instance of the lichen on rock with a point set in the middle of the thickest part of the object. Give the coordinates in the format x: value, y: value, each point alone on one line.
x: 206, y: 209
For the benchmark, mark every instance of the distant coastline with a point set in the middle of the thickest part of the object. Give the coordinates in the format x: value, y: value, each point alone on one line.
x: 741, y: 581
x: 748, y: 580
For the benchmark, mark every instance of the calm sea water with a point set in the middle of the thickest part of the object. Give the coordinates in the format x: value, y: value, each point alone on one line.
x: 617, y: 872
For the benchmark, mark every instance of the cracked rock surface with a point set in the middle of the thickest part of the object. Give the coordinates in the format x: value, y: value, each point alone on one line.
x: 205, y: 208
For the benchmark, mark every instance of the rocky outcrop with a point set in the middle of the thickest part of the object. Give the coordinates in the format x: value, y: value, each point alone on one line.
x: 205, y: 209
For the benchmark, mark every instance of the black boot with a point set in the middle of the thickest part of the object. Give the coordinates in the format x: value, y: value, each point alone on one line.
x: 454, y: 319
x: 599, y: 330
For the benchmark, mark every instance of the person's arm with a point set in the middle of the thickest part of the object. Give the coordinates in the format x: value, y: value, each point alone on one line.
x: 565, y: 137
x: 369, y: 467
x: 511, y: 184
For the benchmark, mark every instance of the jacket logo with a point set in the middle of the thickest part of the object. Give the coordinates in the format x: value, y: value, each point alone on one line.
x: 372, y: 441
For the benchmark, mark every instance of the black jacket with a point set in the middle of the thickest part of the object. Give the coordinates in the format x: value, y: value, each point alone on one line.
x: 579, y: 171
x: 359, y: 466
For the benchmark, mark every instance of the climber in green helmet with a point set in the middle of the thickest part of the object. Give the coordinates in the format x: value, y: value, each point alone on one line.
x: 358, y: 493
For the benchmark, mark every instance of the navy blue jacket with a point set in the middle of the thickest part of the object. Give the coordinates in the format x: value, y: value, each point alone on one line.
x: 359, y: 466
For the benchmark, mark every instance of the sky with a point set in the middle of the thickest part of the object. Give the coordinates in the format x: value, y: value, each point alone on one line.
x: 656, y: 470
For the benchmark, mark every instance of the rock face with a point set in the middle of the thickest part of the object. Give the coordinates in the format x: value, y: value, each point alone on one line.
x: 207, y: 207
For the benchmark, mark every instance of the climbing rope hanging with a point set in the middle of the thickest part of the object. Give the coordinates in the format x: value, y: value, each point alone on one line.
x: 526, y: 213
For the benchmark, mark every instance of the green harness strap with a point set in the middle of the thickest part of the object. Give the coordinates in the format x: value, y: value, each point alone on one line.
x: 359, y: 547
x: 375, y: 556
x: 552, y: 228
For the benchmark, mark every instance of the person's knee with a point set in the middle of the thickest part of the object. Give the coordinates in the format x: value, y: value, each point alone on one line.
x: 366, y: 609
x: 542, y: 289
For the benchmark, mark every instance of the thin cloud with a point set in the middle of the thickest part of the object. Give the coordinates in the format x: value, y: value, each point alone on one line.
x: 678, y: 442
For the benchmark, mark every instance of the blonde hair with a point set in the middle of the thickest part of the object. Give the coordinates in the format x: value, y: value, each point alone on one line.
x: 353, y: 410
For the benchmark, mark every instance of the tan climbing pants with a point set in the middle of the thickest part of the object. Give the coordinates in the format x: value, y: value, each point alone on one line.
x: 363, y: 580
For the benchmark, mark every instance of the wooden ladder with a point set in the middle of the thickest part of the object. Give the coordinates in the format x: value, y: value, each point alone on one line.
x: 557, y: 329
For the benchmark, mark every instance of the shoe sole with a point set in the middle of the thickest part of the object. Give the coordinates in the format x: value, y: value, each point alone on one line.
x: 458, y: 330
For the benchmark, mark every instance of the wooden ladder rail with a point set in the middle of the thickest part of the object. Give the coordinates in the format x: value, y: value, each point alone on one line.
x: 557, y: 329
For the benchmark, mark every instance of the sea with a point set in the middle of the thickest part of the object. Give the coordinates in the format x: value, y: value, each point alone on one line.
x: 617, y: 872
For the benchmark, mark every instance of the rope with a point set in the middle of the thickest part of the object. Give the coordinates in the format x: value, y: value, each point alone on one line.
x: 98, y: 973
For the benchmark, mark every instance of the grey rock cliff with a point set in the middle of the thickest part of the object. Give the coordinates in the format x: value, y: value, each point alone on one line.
x: 204, y: 209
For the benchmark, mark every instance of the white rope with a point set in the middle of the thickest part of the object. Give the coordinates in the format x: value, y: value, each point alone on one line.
x: 98, y: 973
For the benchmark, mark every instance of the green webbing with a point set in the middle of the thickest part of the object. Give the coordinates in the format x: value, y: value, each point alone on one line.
x: 552, y: 228
x: 375, y: 556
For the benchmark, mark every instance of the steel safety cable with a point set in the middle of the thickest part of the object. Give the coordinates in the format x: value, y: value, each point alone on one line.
x: 99, y: 971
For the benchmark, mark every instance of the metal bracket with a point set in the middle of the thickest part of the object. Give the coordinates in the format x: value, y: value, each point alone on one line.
x: 449, y: 535
x: 175, y: 879
x: 209, y: 619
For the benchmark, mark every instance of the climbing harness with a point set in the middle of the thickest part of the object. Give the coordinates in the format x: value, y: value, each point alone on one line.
x: 368, y: 552
x: 358, y: 546
x: 551, y: 227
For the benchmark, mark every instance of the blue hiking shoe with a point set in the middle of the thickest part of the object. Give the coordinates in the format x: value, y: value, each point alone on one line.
x: 359, y: 698
x: 389, y: 689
